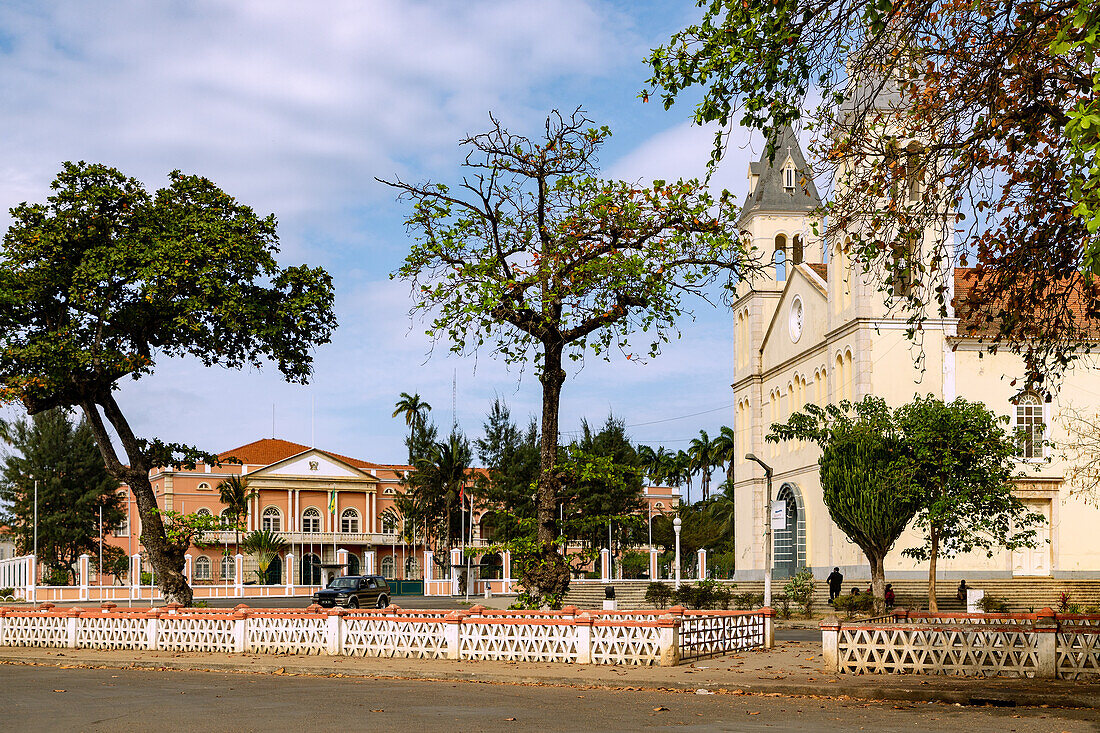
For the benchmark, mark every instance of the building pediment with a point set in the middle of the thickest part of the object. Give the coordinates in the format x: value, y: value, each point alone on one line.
x: 313, y: 464
x: 804, y: 291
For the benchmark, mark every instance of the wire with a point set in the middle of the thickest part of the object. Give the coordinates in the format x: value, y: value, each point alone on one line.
x: 654, y: 422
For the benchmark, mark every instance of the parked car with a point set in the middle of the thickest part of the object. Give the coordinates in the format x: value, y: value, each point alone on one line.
x: 355, y: 591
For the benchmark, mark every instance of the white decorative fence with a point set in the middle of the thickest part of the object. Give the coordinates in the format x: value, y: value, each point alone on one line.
x: 569, y: 635
x: 1040, y: 645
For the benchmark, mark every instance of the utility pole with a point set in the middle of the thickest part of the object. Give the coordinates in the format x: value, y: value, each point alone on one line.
x: 767, y: 530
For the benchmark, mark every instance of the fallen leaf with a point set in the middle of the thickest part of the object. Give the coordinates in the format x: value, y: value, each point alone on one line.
x: 509, y: 718
x: 378, y: 710
x: 659, y: 708
x: 757, y: 712
x: 58, y: 690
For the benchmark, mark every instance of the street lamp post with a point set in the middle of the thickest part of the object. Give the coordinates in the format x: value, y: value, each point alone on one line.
x: 767, y: 529
x: 676, y: 528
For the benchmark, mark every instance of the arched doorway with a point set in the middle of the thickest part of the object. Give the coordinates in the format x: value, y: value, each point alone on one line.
x: 353, y: 564
x: 274, y: 574
x: 789, y: 543
x: 311, y: 569
x: 492, y: 567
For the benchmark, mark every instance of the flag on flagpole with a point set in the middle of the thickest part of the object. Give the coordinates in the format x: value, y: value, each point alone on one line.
x: 332, y: 502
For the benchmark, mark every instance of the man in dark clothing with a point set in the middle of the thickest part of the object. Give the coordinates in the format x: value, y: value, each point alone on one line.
x: 835, y: 580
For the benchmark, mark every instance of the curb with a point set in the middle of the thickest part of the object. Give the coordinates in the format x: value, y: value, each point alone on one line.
x: 997, y: 696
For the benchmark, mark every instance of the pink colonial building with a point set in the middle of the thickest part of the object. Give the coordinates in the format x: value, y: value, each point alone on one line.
x: 296, y: 489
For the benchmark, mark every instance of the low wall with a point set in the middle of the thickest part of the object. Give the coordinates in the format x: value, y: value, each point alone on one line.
x: 1039, y: 645
x: 569, y: 635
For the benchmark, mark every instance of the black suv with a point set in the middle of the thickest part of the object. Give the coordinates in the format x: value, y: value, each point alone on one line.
x: 355, y: 591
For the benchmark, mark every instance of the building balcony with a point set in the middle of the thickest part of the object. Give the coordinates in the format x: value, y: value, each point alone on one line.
x: 228, y: 537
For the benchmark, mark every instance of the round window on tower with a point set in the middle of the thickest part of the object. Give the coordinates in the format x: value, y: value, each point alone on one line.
x: 796, y: 318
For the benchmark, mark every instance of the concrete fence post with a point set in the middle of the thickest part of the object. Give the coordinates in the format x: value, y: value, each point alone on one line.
x: 135, y: 576
x: 452, y: 632
x: 702, y: 557
x: 605, y: 565
x: 429, y: 567
x: 830, y: 644
x: 1046, y: 643
x: 456, y: 569
x: 334, y: 632
x: 84, y: 568
x: 152, y: 629
x: 669, y: 629
x: 769, y: 627
x: 238, y: 574
x: 240, y: 630
x: 582, y: 627
x: 3, y: 619
x: 652, y: 564
x: 289, y: 565
x: 72, y: 624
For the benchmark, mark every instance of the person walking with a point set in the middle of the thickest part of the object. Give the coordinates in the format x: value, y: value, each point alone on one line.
x: 835, y: 580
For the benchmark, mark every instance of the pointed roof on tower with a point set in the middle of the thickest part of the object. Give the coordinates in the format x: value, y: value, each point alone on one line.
x: 770, y: 193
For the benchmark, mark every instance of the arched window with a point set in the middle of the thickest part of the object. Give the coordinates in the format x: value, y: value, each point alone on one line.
x: 779, y: 258
x: 349, y: 521
x: 788, y: 176
x: 387, y: 492
x: 412, y: 568
x: 492, y: 567
x: 271, y: 520
x: 202, y: 567
x: 204, y: 486
x: 659, y: 505
x: 310, y: 572
x: 353, y: 564
x: 488, y: 526
x: 227, y: 517
x: 311, y: 520
x: 849, y: 377
x: 204, y: 512
x: 229, y: 568
x: 389, y: 523
x: 1029, y: 425
x: 387, y: 567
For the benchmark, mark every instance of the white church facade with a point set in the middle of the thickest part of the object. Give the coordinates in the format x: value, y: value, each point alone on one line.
x: 815, y: 329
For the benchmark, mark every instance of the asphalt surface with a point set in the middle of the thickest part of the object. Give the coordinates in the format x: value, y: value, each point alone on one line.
x: 58, y: 699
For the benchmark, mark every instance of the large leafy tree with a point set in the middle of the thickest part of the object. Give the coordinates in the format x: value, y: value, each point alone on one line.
x: 966, y: 128
x: 959, y: 461
x: 104, y: 278
x: 73, y: 490
x: 863, y: 479
x: 535, y: 255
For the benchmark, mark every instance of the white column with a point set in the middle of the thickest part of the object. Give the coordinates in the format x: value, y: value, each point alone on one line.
x: 291, y: 519
x: 341, y: 557
x: 605, y: 565
x: 188, y: 567
x: 84, y: 569
x: 429, y: 568
x: 369, y: 563
x: 456, y: 561
x: 288, y: 562
x: 238, y: 574
x: 135, y: 575
x: 652, y: 564
x: 507, y: 558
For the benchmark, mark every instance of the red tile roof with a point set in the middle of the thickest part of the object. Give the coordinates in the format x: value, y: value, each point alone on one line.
x: 981, y: 320
x: 821, y: 269
x: 266, y: 451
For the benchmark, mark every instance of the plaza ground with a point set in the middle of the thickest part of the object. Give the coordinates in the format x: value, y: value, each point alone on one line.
x: 41, y: 698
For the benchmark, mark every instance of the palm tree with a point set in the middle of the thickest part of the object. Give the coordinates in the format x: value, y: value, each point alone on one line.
x: 679, y: 471
x: 701, y: 452
x: 235, y: 493
x: 725, y: 451
x: 433, y: 491
x: 265, y: 546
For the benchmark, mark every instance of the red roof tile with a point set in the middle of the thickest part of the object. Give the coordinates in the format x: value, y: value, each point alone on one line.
x: 821, y: 269
x: 266, y: 451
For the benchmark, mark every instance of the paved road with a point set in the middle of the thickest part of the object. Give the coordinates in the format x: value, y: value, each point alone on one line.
x: 48, y: 699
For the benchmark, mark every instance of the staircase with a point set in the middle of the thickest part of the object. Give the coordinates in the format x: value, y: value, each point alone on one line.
x: 1021, y: 594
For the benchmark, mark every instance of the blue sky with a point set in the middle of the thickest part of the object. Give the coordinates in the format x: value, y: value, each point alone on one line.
x: 294, y: 108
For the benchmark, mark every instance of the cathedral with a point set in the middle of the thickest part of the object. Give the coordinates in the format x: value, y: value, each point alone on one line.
x: 815, y: 329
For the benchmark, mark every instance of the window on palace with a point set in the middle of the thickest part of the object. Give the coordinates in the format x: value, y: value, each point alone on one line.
x: 271, y: 520
x: 389, y: 523
x: 228, y: 568
x: 202, y: 567
x: 388, y: 567
x: 412, y: 569
x: 1029, y: 425
x: 349, y: 521
x: 311, y: 520
x: 123, y: 527
x: 204, y: 486
x: 204, y: 512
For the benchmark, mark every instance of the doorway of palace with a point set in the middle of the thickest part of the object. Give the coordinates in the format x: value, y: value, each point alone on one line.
x: 1035, y: 561
x: 353, y: 564
x: 274, y: 574
x: 789, y: 541
x: 311, y: 569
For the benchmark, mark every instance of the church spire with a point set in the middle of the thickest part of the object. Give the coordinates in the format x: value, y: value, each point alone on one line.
x: 782, y: 184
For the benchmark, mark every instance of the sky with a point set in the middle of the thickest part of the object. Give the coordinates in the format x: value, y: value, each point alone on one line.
x: 295, y: 108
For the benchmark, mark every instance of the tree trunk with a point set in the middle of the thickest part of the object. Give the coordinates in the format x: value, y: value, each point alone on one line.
x: 553, y: 577
x: 878, y: 581
x: 933, y: 555
x: 167, y: 560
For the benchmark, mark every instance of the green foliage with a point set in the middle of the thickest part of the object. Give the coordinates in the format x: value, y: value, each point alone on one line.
x: 635, y: 564
x: 658, y: 594
x: 510, y: 456
x: 183, y: 530
x: 705, y: 594
x: 432, y: 499
x: 782, y: 604
x: 72, y: 488
x: 800, y: 589
x: 862, y: 604
x: 722, y: 564
x: 236, y: 494
x: 265, y: 546
x: 748, y: 600
x: 993, y: 604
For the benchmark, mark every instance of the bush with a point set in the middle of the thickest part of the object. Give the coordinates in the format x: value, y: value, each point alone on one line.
x: 1092, y: 610
x: 658, y: 594
x: 703, y: 595
x: 782, y: 605
x: 722, y: 565
x: 748, y: 600
x: 1063, y: 602
x: 1074, y: 609
x: 993, y: 604
x: 635, y: 565
x: 7, y: 594
x: 863, y: 604
x: 55, y: 576
x: 800, y: 589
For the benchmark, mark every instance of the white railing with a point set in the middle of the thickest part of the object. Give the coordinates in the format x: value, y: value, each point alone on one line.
x: 17, y: 573
x: 1042, y: 645
x: 569, y: 636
